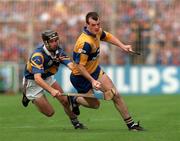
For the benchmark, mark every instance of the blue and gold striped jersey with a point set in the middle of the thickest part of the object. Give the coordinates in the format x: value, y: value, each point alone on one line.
x: 87, y: 49
x: 41, y: 61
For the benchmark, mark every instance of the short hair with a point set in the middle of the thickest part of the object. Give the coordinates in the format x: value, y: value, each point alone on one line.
x: 93, y: 15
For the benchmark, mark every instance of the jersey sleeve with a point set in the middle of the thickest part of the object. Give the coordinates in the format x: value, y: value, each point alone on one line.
x: 36, y: 62
x: 65, y: 59
x: 105, y: 36
x: 82, y: 54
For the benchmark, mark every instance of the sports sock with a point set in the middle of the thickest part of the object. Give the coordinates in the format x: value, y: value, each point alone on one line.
x: 74, y: 120
x: 129, y: 122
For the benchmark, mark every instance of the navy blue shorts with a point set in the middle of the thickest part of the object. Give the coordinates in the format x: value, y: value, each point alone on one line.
x: 81, y: 84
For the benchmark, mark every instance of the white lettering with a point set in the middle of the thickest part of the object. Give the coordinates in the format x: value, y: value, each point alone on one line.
x: 120, y: 81
x: 150, y: 78
x: 134, y: 77
x: 170, y: 78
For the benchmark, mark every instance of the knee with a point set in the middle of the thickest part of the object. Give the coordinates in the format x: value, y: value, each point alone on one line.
x: 49, y: 114
x: 110, y: 94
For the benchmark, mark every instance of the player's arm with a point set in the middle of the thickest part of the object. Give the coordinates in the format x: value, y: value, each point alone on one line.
x: 81, y: 58
x: 95, y: 84
x: 37, y: 61
x: 38, y: 79
x: 71, y: 65
x: 82, y: 71
x: 115, y: 41
x: 66, y: 60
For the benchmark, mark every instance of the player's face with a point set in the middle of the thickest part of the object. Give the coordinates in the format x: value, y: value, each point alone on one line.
x: 93, y: 26
x: 54, y: 44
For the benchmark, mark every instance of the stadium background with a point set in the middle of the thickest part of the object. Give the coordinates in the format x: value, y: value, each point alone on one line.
x: 151, y: 26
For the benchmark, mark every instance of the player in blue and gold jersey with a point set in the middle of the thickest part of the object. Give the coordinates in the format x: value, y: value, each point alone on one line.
x: 88, y: 75
x: 39, y: 76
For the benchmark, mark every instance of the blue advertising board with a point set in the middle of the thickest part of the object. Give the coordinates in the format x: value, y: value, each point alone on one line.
x: 135, y: 79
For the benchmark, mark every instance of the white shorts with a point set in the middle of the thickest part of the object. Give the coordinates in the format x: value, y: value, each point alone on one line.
x: 33, y: 90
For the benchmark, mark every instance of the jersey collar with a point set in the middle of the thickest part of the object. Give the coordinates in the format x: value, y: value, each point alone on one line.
x: 49, y: 54
x: 86, y: 31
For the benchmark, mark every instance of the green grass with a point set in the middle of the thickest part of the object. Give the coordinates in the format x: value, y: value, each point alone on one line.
x: 160, y: 115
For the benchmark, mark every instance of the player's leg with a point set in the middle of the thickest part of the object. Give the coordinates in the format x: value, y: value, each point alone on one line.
x: 75, y: 102
x: 88, y: 102
x: 64, y: 101
x: 25, y: 101
x: 120, y: 105
x: 107, y: 85
x: 82, y: 85
x: 34, y: 93
x: 43, y: 105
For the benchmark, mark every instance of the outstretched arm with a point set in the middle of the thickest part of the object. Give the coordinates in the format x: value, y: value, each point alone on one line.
x: 115, y: 41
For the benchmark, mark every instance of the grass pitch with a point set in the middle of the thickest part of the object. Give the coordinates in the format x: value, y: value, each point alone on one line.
x: 159, y: 115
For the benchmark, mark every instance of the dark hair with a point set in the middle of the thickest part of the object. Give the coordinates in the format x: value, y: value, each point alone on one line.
x: 93, y: 15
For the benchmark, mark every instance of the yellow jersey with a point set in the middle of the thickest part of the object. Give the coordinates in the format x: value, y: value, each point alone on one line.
x: 87, y: 49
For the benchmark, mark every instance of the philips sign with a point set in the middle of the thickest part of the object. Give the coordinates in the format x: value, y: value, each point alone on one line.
x: 147, y: 80
x: 136, y: 79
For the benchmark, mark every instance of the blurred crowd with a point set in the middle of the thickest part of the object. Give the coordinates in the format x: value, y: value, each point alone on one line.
x: 152, y: 27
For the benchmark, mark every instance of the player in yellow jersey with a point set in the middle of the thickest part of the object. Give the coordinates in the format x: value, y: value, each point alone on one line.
x: 88, y: 75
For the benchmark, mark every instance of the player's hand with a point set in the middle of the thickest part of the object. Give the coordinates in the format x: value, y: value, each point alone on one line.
x: 96, y: 84
x: 61, y: 58
x: 55, y: 93
x: 128, y: 48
